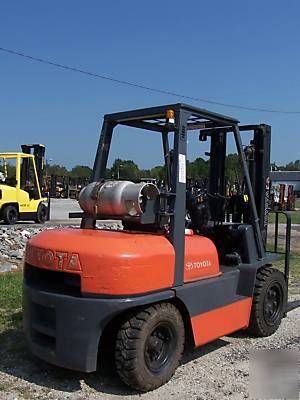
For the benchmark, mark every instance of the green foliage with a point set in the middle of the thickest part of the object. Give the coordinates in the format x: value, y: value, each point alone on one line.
x: 125, y: 169
x: 233, y: 171
x: 158, y: 172
x: 291, y: 166
x: 198, y: 168
x: 10, y: 299
x: 55, y: 169
x: 8, y: 167
x: 81, y: 171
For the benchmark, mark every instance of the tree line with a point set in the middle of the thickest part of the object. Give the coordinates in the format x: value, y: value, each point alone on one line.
x: 128, y: 169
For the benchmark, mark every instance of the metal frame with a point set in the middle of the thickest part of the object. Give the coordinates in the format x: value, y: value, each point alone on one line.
x: 287, y: 246
x: 186, y: 118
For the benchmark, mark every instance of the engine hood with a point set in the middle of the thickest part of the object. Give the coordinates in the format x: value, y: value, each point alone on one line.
x: 109, y: 262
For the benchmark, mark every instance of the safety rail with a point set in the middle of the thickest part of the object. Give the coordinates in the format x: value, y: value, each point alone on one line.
x: 287, y: 251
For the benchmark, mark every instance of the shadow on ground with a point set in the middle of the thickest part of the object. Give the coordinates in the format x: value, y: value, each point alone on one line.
x: 16, y: 361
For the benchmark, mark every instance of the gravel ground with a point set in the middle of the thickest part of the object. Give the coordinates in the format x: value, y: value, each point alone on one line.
x: 219, y: 370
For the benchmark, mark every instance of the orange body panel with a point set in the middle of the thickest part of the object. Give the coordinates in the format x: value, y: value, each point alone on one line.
x: 201, y: 258
x: 109, y: 262
x: 222, y: 321
x: 118, y: 262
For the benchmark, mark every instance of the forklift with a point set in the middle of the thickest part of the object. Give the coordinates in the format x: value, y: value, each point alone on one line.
x: 164, y: 282
x: 21, y: 197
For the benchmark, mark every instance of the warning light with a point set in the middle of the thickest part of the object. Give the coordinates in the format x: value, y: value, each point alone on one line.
x: 170, y: 116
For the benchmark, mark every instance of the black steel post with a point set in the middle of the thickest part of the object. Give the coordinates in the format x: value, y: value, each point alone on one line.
x: 276, y: 232
x: 102, y: 150
x: 217, y: 172
x: 262, y: 150
x: 178, y: 186
x: 253, y: 210
x: 287, y: 247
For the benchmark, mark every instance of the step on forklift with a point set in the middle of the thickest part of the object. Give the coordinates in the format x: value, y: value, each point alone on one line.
x: 165, y: 281
x: 21, y: 197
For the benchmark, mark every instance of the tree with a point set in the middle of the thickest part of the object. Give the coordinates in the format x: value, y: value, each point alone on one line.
x: 125, y: 169
x: 81, y: 171
x: 56, y: 169
x: 233, y: 169
x: 158, y: 172
x: 293, y: 166
x: 197, y: 169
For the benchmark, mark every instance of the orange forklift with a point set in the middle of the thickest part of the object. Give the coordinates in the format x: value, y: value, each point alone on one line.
x: 166, y: 280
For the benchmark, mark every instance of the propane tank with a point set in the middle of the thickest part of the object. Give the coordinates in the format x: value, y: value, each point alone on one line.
x: 117, y: 198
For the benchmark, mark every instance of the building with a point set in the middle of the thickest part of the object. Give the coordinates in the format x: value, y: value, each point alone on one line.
x: 288, y: 178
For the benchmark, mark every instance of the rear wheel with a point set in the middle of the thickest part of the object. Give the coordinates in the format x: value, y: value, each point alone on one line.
x: 10, y: 215
x: 269, y: 301
x: 41, y: 215
x: 149, y: 346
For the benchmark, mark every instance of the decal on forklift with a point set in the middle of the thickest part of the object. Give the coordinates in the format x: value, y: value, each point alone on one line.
x: 197, y: 264
x: 52, y: 259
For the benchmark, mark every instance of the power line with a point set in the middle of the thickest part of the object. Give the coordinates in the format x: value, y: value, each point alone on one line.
x: 144, y: 87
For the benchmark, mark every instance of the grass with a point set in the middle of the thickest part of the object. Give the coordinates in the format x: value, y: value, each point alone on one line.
x: 294, y: 283
x: 295, y: 217
x: 10, y: 299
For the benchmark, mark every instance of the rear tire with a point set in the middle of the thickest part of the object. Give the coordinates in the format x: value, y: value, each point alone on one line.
x: 149, y: 346
x: 41, y: 215
x: 269, y: 301
x: 10, y: 215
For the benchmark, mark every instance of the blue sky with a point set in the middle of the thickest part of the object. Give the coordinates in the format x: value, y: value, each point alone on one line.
x: 240, y: 52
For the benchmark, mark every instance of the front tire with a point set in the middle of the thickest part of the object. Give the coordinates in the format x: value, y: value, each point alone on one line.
x: 149, y: 346
x: 10, y: 215
x: 269, y: 302
x: 41, y: 215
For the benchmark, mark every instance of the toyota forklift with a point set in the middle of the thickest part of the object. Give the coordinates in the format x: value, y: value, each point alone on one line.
x: 21, y: 197
x: 164, y: 281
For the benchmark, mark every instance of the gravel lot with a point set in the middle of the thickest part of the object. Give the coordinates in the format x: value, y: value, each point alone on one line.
x: 219, y: 370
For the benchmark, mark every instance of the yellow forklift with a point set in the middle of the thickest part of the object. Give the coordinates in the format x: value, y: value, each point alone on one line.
x: 21, y: 195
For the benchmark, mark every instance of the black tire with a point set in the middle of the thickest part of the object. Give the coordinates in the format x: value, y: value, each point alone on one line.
x: 64, y: 194
x: 149, y: 346
x: 10, y: 215
x: 41, y: 215
x: 269, y: 302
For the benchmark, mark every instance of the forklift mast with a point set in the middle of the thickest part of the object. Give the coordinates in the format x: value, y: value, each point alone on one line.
x: 38, y: 150
x: 257, y: 156
x: 259, y: 169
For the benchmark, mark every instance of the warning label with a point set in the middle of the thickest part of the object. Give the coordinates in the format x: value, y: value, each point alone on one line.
x: 182, y: 169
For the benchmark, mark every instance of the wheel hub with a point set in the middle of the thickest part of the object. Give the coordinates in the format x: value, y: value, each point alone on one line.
x: 272, y: 304
x: 158, y: 347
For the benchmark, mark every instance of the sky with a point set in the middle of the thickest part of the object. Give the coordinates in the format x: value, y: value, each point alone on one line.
x: 237, y: 52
